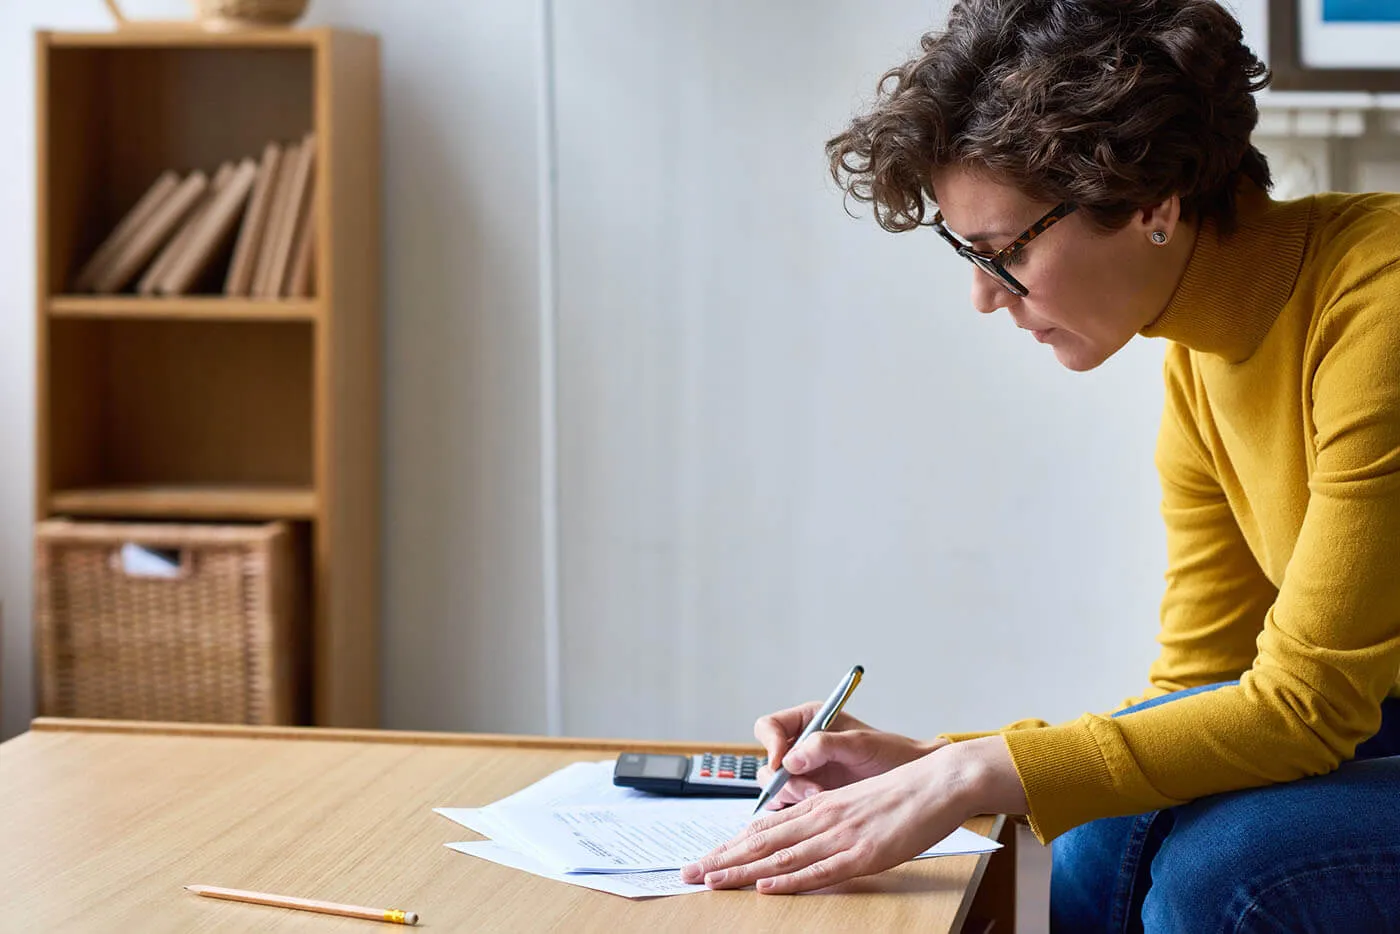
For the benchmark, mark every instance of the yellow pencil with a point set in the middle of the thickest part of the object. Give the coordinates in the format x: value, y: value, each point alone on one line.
x: 306, y: 904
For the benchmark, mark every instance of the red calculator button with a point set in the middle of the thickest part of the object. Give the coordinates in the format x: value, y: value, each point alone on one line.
x: 726, y: 773
x: 704, y: 773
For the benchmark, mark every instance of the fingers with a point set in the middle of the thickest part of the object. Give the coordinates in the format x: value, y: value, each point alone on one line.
x: 782, y: 860
x: 795, y: 789
x: 756, y: 840
x: 850, y: 748
x: 777, y: 730
x: 838, y: 867
x: 793, y: 852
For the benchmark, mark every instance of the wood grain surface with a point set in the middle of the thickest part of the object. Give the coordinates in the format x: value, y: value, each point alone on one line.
x: 105, y: 822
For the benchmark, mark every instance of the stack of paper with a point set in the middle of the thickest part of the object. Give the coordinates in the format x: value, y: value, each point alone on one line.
x: 575, y: 826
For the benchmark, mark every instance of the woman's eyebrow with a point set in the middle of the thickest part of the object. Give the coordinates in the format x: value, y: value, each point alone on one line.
x: 990, y: 239
x: 985, y: 237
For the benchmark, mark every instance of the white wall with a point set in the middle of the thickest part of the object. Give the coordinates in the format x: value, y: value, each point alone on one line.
x: 462, y: 600
x: 786, y: 444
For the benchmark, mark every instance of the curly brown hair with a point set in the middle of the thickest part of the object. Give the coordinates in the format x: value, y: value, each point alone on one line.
x: 1113, y: 105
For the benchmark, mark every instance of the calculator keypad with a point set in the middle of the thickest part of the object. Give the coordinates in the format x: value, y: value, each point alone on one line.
x: 713, y: 766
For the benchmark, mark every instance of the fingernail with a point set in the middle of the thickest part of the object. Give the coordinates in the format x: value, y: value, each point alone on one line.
x: 690, y: 873
x: 764, y: 885
x: 809, y: 792
x: 715, y: 878
x: 797, y: 761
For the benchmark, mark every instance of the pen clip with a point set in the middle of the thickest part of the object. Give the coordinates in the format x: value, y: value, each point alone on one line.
x: 852, y: 679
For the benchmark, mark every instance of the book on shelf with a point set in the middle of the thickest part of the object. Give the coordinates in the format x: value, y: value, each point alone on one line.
x: 271, y: 279
x: 300, y: 276
x: 249, y: 231
x: 304, y: 222
x: 170, y: 253
x: 277, y: 211
x: 216, y: 225
x: 139, y: 214
x: 149, y: 236
x: 239, y: 281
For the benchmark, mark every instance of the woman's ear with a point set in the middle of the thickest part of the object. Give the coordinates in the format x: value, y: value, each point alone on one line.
x: 1158, y: 223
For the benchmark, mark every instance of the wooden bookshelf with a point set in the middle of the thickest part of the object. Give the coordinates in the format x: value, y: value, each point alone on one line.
x: 201, y: 407
x: 231, y: 503
x: 189, y: 308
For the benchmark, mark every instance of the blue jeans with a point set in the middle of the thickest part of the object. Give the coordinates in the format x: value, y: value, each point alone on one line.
x: 1317, y: 854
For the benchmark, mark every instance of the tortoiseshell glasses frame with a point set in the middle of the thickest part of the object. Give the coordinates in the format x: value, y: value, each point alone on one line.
x: 993, y: 263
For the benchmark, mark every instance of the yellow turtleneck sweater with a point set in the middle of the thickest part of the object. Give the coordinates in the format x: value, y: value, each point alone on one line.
x: 1279, y: 456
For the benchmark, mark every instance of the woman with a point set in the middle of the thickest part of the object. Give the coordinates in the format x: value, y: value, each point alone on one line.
x: 1092, y: 159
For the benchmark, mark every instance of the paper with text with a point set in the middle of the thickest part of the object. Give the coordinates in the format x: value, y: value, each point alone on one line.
x: 575, y: 822
x: 580, y: 783
x: 665, y: 834
x: 633, y: 837
x: 626, y: 884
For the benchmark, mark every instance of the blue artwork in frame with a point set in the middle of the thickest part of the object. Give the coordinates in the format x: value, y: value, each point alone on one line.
x: 1335, y: 45
x: 1360, y: 11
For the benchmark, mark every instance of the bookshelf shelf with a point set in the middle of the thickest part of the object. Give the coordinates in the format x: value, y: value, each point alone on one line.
x: 190, y: 502
x: 197, y: 406
x: 193, y: 308
x: 194, y: 37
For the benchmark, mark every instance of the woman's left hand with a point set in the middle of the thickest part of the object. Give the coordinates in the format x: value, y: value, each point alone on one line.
x: 862, y: 828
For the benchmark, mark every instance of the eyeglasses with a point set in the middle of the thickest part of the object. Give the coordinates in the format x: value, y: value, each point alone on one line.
x: 993, y: 263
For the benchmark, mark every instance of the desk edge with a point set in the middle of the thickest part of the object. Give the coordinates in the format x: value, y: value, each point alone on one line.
x: 409, y: 737
x: 1000, y: 824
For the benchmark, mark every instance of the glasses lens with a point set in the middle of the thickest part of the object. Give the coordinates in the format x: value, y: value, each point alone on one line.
x: 1004, y: 279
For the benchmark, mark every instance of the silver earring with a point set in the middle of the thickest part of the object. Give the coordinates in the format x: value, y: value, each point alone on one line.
x: 1159, y: 237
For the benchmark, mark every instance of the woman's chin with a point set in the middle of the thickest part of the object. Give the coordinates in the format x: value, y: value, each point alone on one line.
x: 1074, y: 355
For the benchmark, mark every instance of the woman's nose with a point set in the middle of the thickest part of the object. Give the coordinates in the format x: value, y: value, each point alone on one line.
x: 987, y: 294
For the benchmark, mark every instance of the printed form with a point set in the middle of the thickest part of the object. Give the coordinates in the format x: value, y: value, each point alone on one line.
x: 575, y: 826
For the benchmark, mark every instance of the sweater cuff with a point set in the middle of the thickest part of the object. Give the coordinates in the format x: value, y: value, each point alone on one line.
x: 1063, y: 772
x: 1079, y: 772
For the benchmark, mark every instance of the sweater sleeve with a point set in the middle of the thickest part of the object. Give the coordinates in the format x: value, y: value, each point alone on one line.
x: 1216, y: 594
x: 1329, y: 647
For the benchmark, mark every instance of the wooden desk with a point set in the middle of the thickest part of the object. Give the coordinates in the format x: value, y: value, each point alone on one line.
x: 103, y: 823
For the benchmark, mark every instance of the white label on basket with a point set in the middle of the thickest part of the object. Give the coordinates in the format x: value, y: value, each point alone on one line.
x: 147, y: 562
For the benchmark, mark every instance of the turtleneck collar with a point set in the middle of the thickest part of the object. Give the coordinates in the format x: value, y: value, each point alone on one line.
x: 1235, y: 286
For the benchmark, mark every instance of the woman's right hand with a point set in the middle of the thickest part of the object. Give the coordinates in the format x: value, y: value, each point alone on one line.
x: 845, y: 752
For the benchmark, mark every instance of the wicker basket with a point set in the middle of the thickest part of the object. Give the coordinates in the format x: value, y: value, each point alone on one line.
x: 214, y: 640
x: 246, y: 14
x: 222, y: 15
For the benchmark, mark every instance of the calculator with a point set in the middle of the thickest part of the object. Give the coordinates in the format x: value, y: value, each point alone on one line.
x: 711, y: 774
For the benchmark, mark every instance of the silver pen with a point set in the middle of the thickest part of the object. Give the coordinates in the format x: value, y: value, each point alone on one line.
x: 821, y: 721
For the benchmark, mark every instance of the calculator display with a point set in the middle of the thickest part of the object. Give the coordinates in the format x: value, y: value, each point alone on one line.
x: 665, y: 767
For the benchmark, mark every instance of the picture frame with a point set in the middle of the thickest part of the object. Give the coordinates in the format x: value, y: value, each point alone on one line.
x: 1335, y: 45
